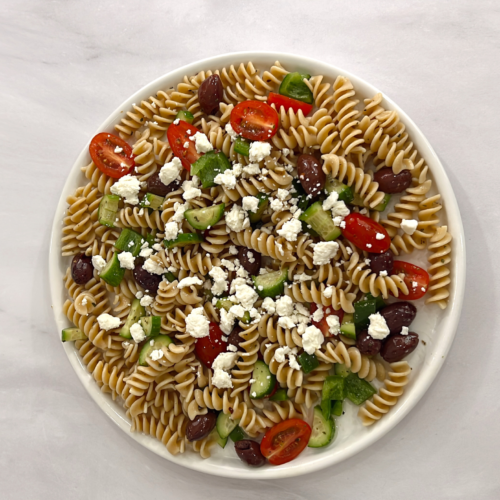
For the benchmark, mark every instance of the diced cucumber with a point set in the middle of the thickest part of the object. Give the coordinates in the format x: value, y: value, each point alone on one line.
x: 337, y: 408
x: 238, y: 434
x: 341, y: 370
x: 242, y: 147
x: 227, y: 304
x: 71, y: 334
x: 112, y: 273
x: 264, y: 381
x: 263, y: 204
x: 151, y: 325
x: 135, y: 314
x: 108, y: 208
x: 357, y: 200
x: 333, y: 388
x: 208, y: 166
x: 171, y: 277
x: 152, y: 201
x: 346, y: 193
x: 183, y: 240
x: 326, y: 408
x: 214, y: 435
x: 358, y: 390
x: 383, y: 204
x: 347, y: 327
x: 147, y: 348
x: 323, y: 430
x: 225, y: 425
x: 321, y: 221
x: 308, y: 362
x: 279, y: 395
x: 129, y: 241
x: 362, y: 311
x: 293, y: 86
x: 204, y: 218
x: 150, y: 238
x: 271, y: 284
x: 185, y: 116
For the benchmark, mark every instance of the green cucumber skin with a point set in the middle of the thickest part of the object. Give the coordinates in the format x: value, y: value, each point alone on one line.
x: 147, y: 348
x: 113, y: 274
x: 127, y: 236
x: 264, y: 381
x: 263, y: 204
x: 238, y: 434
x: 345, y: 192
x: 348, y: 328
x: 185, y: 116
x: 72, y: 334
x: 208, y: 166
x: 279, y: 395
x: 383, y: 204
x: 151, y: 325
x: 242, y: 147
x: 227, y: 304
x: 136, y: 313
x: 362, y: 311
x: 225, y: 425
x: 274, y: 288
x: 154, y: 202
x: 203, y: 218
x: 323, y: 430
x: 321, y: 222
x: 183, y: 240
x: 108, y: 208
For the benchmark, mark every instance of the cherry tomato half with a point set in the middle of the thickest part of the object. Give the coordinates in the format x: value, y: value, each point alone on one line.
x: 254, y: 120
x: 287, y: 102
x: 285, y: 441
x: 182, y: 147
x: 111, y: 155
x: 416, y: 279
x: 322, y: 324
x: 209, y: 347
x: 363, y: 231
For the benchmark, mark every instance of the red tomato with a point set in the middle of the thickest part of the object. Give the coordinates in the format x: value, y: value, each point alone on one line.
x: 327, y: 311
x: 285, y: 441
x: 254, y: 120
x: 416, y: 279
x: 103, y: 153
x: 363, y: 231
x: 287, y: 102
x: 209, y: 347
x: 182, y: 147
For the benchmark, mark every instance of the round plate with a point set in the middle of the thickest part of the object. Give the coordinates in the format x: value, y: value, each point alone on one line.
x: 434, y: 326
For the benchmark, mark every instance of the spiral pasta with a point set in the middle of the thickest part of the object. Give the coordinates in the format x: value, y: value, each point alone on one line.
x: 440, y: 246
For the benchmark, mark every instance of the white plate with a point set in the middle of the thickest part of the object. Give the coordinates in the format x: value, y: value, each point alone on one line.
x: 436, y: 327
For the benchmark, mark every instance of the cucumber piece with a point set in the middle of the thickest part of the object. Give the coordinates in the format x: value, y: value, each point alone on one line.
x: 279, y: 395
x: 341, y: 370
x: 357, y: 200
x: 152, y: 201
x: 108, y: 208
x: 362, y: 311
x: 183, y: 240
x: 358, y: 390
x: 203, y: 218
x: 347, y: 327
x: 264, y: 381
x: 321, y: 222
x: 171, y: 277
x: 227, y: 304
x: 337, y: 409
x: 225, y: 425
x: 238, y: 434
x: 135, y: 314
x: 346, y: 193
x: 383, y: 204
x: 150, y: 238
x: 214, y: 436
x: 147, y: 348
x: 323, y: 430
x: 308, y: 362
x: 129, y: 241
x: 333, y: 388
x: 241, y: 146
x: 151, y: 325
x: 113, y: 274
x: 326, y: 408
x: 208, y: 166
x: 293, y: 86
x: 271, y: 284
x: 71, y: 334
x: 185, y: 116
x: 263, y: 204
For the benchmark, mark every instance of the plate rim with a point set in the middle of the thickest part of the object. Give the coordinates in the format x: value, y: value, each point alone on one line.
x: 449, y: 323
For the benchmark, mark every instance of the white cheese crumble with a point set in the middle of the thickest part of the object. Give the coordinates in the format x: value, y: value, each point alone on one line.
x: 191, y: 280
x: 318, y: 314
x: 220, y: 280
x: 222, y: 379
x: 333, y: 324
x: 246, y: 296
x: 118, y: 149
x: 286, y: 322
x: 378, y: 328
x: 380, y: 236
x: 179, y: 211
x: 409, y: 226
x: 171, y: 230
x: 226, y: 321
x: 292, y: 361
x: 146, y: 252
x: 236, y: 219
x: 259, y: 150
x: 284, y: 306
x: 197, y: 324
x: 147, y: 300
x: 328, y: 292
x: 126, y: 260
x: 268, y: 305
x: 191, y: 189
x: 312, y: 339
x: 282, y: 194
x: 405, y: 330
x: 137, y: 332
x: 250, y: 203
x: 170, y: 171
x: 225, y: 361
x: 153, y: 267
x: 128, y: 188
x: 324, y: 252
x: 139, y: 295
x: 98, y: 262
x: 108, y: 322
x: 276, y: 205
x: 201, y: 142
x: 157, y: 354
x: 231, y: 132
x: 252, y: 169
x: 330, y: 201
x: 290, y: 229
x: 383, y: 274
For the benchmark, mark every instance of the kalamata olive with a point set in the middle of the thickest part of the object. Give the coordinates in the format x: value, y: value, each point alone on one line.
x: 367, y: 344
x: 398, y: 315
x: 311, y: 174
x: 382, y: 262
x: 234, y: 338
x: 250, y: 260
x: 148, y: 281
x: 156, y: 186
x: 390, y: 182
x: 201, y: 426
x: 210, y: 94
x: 82, y: 269
x: 397, y: 347
x: 249, y: 452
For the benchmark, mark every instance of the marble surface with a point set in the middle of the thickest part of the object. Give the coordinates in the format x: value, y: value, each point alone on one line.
x: 67, y: 65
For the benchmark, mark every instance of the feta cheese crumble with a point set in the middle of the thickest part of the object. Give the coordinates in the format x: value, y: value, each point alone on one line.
x: 409, y: 226
x: 191, y: 280
x: 153, y: 267
x: 259, y: 150
x: 126, y: 260
x: 220, y: 280
x: 284, y: 306
x: 197, y: 324
x: 201, y: 142
x: 290, y: 229
x: 236, y: 219
x: 405, y: 330
x: 147, y: 300
x: 312, y: 339
x: 157, y: 354
x: 378, y: 328
x: 230, y: 132
x: 380, y: 236
x: 171, y: 171
x: 333, y: 322
x: 324, y: 252
x: 250, y: 203
x: 98, y: 262
x: 191, y: 189
x: 128, y: 188
x: 108, y: 322
x: 171, y: 230
x: 137, y: 332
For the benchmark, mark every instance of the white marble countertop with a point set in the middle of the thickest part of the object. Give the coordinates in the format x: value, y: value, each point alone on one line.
x: 67, y: 65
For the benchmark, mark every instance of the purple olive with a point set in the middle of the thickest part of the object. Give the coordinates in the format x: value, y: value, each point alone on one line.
x: 311, y: 174
x: 397, y: 347
x: 156, y: 186
x: 250, y: 260
x: 367, y: 344
x: 82, y: 269
x: 249, y: 452
x: 398, y: 315
x: 390, y: 182
x: 382, y: 262
x: 234, y: 338
x: 210, y: 94
x: 201, y: 426
x: 148, y: 281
